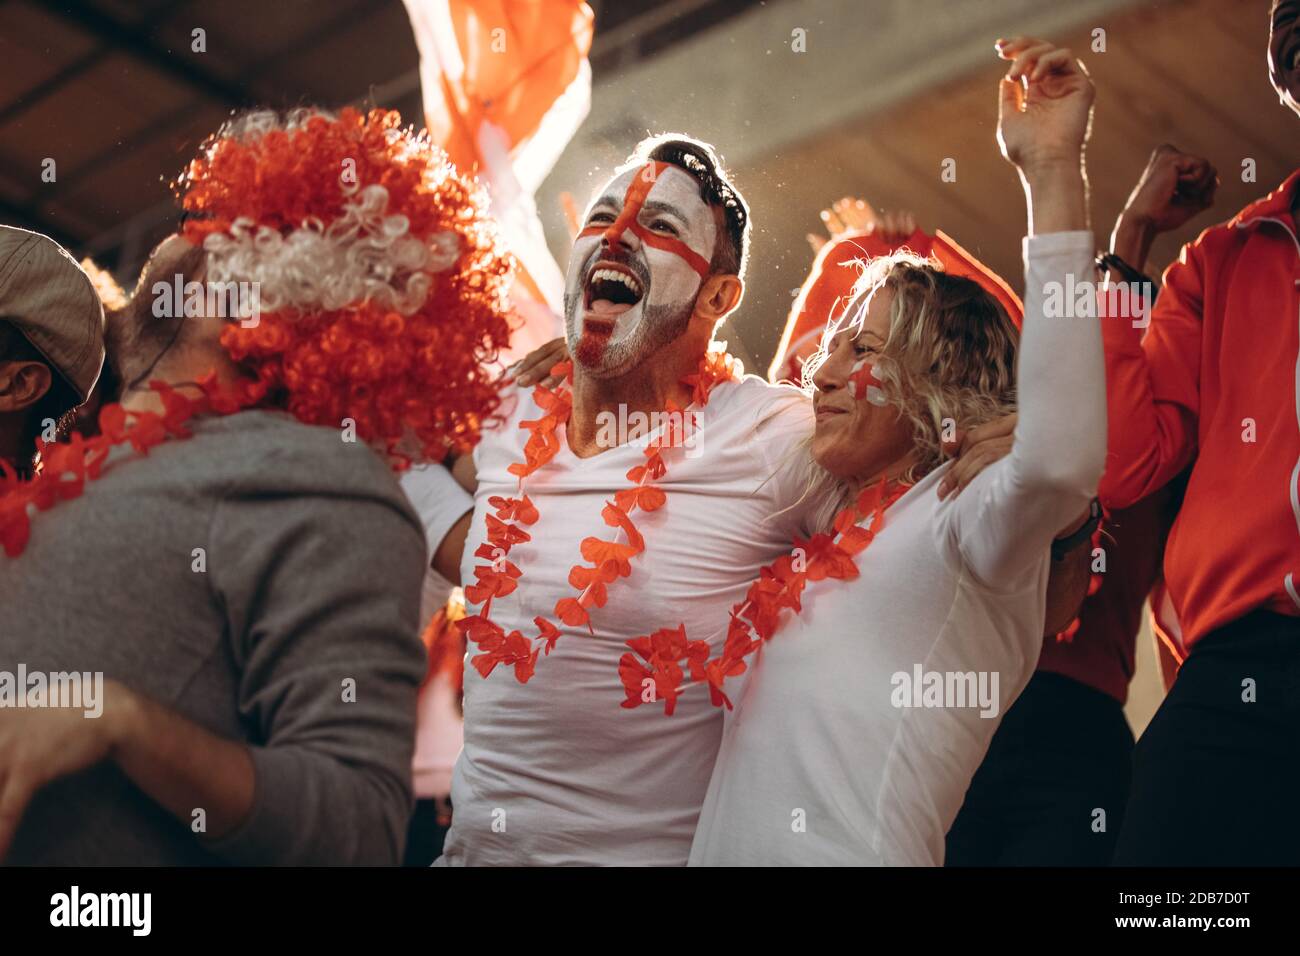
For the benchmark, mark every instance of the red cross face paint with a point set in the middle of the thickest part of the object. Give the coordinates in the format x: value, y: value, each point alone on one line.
x: 636, y: 267
x: 863, y: 384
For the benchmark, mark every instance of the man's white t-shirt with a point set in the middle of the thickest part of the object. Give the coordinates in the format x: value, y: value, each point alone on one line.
x: 555, y: 771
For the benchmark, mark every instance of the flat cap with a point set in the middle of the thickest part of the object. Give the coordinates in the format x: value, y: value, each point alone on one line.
x: 53, y: 303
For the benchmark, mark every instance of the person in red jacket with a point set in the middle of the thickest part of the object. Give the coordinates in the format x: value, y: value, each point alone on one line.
x: 1053, y: 788
x: 1215, y: 384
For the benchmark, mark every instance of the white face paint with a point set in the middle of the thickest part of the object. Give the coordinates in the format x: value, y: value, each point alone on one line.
x: 637, y: 267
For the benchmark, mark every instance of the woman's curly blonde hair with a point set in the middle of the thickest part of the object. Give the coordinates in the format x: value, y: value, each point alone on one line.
x: 949, y: 362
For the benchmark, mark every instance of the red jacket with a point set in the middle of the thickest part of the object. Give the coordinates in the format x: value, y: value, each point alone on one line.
x: 1216, y: 382
x: 1100, y: 652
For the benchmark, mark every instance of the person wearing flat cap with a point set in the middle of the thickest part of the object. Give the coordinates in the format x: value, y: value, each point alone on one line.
x: 51, y: 342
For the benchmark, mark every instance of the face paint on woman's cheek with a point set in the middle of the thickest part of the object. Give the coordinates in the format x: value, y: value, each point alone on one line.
x: 863, y: 384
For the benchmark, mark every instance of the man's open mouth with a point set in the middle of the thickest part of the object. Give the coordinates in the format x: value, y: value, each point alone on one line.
x: 611, y: 290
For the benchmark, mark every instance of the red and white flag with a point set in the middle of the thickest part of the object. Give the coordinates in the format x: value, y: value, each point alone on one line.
x: 506, y: 84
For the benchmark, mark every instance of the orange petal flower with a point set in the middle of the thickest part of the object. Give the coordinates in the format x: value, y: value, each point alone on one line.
x: 616, y: 517
x: 548, y: 631
x: 591, y: 583
x: 572, y: 613
x: 492, y: 583
x: 505, y: 535
x: 645, y: 497
x: 514, y: 509
x: 598, y: 552
x: 664, y: 683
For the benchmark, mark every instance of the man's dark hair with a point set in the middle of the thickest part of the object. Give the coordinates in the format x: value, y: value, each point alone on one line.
x: 55, y: 405
x: 702, y: 163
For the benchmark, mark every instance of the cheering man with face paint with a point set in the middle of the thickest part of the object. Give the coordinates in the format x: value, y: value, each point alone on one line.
x: 553, y: 771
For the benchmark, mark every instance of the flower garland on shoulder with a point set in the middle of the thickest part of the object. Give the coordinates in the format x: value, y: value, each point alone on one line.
x: 606, y: 561
x: 658, y: 673
x: 67, y: 466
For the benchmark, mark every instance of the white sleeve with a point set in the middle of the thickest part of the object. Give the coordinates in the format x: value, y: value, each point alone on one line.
x: 799, y: 494
x: 438, y: 499
x: 1001, y: 524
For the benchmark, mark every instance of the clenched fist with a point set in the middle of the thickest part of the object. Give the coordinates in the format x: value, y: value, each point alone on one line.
x: 1174, y: 187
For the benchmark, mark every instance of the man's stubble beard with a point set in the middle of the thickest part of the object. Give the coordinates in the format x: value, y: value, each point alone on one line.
x: 659, y: 327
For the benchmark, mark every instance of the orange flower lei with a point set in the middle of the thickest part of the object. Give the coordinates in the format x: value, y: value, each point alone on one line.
x: 67, y: 466
x: 779, y: 586
x: 608, y: 560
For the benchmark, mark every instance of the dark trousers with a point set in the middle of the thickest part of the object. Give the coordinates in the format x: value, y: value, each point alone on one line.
x: 1216, y: 777
x: 426, y: 834
x: 1061, y: 755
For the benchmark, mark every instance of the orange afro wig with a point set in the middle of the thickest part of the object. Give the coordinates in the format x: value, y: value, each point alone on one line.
x: 380, y: 283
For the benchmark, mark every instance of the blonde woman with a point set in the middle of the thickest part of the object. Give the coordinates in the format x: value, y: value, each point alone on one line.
x: 863, y: 719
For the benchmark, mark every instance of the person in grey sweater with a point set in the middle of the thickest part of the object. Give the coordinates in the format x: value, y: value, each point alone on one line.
x: 210, y: 654
x: 250, y: 595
